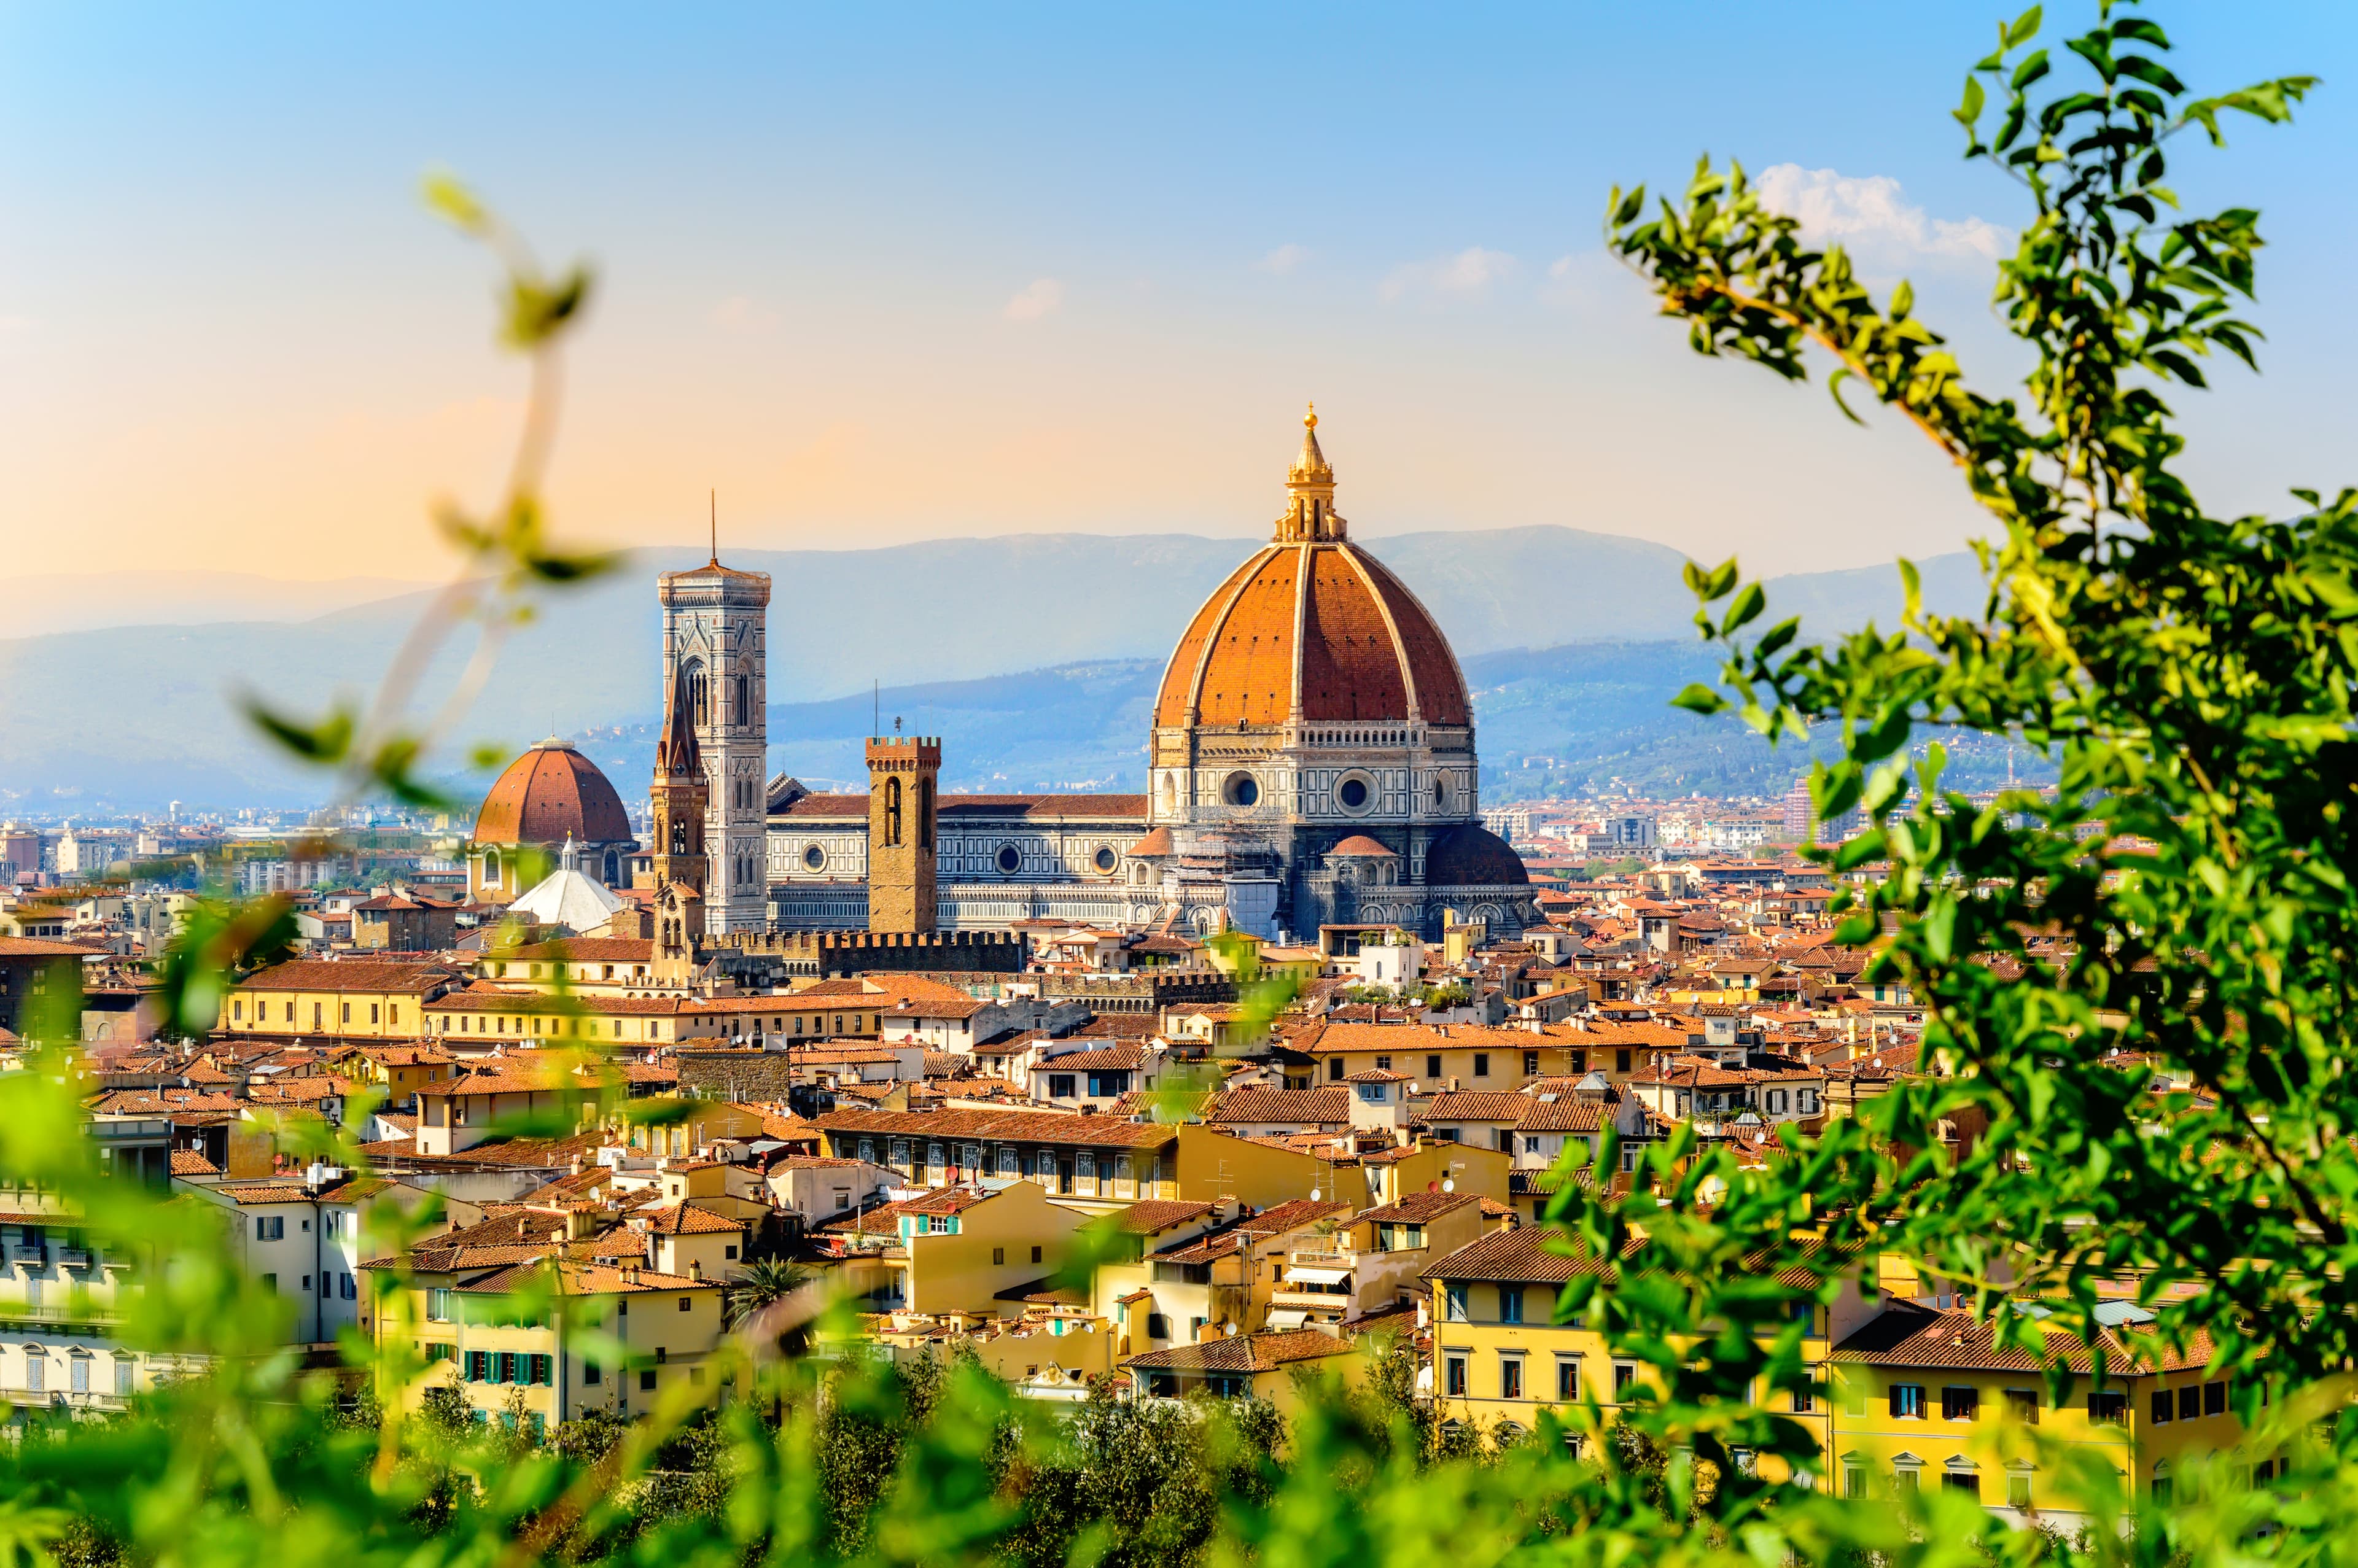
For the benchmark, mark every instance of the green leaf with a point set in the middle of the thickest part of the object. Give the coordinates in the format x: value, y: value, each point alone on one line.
x: 1700, y: 699
x: 2033, y: 67
x: 2023, y: 28
x: 1745, y: 610
x: 1970, y: 109
x: 447, y: 196
x: 1903, y: 300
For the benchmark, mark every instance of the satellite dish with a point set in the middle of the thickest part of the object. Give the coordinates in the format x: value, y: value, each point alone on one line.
x: 1448, y: 1183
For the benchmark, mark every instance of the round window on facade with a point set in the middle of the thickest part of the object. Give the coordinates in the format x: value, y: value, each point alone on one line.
x: 1242, y: 789
x: 815, y: 856
x: 1011, y: 859
x: 1353, y: 794
x: 1105, y: 858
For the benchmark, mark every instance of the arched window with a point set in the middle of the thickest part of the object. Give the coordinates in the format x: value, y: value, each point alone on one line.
x: 891, y: 811
x: 699, y: 696
x: 925, y: 814
x: 490, y: 868
x: 742, y: 709
x: 614, y: 868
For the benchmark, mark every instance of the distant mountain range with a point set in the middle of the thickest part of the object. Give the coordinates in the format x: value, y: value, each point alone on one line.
x: 1034, y: 655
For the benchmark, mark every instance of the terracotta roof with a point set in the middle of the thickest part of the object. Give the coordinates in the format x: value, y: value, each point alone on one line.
x: 1906, y: 1334
x: 687, y: 1219
x: 384, y: 974
x: 1477, y: 1106
x: 584, y: 950
x: 1000, y: 1126
x: 550, y: 791
x: 1148, y: 1216
x: 1157, y: 842
x: 1562, y: 1114
x: 1030, y: 808
x: 1418, y: 1208
x: 1291, y: 1214
x: 1360, y: 844
x: 1105, y: 1058
x: 1520, y: 1255
x: 42, y: 948
x: 1323, y: 1106
x: 188, y: 1162
x: 1244, y: 1352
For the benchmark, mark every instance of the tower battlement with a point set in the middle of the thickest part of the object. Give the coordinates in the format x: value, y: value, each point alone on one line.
x: 904, y: 753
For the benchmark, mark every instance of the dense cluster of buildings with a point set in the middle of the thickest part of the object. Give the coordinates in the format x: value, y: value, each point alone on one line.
x: 1001, y: 1070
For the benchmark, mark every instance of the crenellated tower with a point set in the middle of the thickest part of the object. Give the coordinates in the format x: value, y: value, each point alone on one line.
x: 903, y: 774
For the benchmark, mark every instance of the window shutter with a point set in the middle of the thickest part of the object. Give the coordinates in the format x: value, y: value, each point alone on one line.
x: 1898, y: 1401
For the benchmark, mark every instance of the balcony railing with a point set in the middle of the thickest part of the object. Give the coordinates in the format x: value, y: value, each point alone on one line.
x: 33, y: 1252
x: 1319, y: 1258
x: 73, y: 1257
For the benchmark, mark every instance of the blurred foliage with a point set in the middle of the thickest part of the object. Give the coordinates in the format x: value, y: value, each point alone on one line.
x: 2180, y: 903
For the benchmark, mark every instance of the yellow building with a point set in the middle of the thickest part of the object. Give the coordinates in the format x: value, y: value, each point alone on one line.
x: 1440, y: 1056
x: 1269, y: 1366
x: 484, y: 1015
x: 1919, y: 1396
x: 959, y: 1251
x: 476, y: 1337
x: 374, y: 999
x: 396, y: 1072
x: 1196, y: 1267
x: 1925, y: 1397
x: 1094, y: 1163
x: 1499, y: 1358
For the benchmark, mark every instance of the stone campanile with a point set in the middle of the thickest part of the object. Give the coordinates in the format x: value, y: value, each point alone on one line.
x: 901, y: 774
x: 715, y: 657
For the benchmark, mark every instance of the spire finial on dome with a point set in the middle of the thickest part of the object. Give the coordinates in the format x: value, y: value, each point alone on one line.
x: 1310, y: 513
x: 568, y: 858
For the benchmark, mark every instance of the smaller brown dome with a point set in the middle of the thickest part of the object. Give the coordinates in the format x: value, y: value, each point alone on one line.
x: 551, y: 792
x: 1360, y: 844
x: 1470, y: 855
x: 1155, y: 843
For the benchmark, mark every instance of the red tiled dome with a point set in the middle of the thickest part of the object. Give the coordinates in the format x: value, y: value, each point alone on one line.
x: 549, y: 792
x: 1320, y: 624
x: 1360, y: 844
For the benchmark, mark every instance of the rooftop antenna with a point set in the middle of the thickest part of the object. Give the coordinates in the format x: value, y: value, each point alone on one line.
x: 876, y: 706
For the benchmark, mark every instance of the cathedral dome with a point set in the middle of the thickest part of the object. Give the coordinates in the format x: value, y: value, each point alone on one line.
x: 551, y: 792
x: 1312, y: 627
x: 1470, y: 855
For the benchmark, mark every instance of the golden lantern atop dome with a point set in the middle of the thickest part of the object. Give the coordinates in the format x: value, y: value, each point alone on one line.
x: 1310, y: 516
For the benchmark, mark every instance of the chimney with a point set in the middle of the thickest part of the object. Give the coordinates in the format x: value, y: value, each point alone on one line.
x: 695, y: 1270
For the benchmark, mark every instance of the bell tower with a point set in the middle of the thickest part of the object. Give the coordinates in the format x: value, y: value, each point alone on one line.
x: 716, y: 664
x: 682, y: 798
x: 903, y: 772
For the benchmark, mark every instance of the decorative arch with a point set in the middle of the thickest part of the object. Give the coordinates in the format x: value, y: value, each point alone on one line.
x: 699, y: 694
x: 891, y: 811
x: 490, y: 868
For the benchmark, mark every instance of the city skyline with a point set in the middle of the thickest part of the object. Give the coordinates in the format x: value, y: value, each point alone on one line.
x: 999, y: 278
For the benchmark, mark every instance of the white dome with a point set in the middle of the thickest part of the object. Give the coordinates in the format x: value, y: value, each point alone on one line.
x: 567, y: 898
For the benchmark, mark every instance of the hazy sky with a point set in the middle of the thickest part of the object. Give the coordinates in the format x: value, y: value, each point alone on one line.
x: 887, y: 275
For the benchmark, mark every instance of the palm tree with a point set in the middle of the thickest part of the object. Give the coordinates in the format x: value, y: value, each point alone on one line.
x: 759, y: 1285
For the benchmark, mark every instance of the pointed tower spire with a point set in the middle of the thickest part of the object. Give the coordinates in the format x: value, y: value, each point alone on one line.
x: 1310, y: 515
x: 716, y: 526
x: 676, y: 754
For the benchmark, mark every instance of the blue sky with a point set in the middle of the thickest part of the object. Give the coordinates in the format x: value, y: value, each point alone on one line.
x: 882, y: 276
